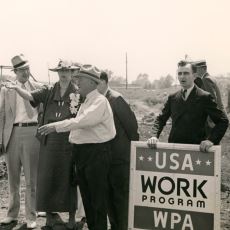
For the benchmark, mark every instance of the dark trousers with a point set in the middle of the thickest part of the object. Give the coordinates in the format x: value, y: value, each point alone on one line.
x: 92, y: 163
x: 118, y: 196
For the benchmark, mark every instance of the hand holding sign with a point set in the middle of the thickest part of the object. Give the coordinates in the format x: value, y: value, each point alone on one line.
x: 152, y: 142
x: 205, y: 145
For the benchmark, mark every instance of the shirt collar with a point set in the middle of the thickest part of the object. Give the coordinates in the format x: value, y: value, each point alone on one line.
x: 92, y: 94
x: 189, y: 90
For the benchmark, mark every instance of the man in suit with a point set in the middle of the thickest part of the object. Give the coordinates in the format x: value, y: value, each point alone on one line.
x: 209, y: 84
x: 126, y: 131
x: 18, y: 125
x: 189, y: 109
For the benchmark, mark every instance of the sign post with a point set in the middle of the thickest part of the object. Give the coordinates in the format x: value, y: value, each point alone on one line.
x: 174, y: 187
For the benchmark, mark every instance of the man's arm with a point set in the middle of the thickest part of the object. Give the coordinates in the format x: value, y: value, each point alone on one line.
x: 211, y: 86
x: 218, y: 117
x: 159, y: 123
x: 126, y: 118
x: 22, y: 92
x: 99, y: 111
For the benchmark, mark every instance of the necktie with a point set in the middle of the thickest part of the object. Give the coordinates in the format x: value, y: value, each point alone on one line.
x: 184, y: 94
x: 28, y: 107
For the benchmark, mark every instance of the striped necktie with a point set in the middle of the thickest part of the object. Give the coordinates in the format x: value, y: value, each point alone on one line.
x: 184, y: 94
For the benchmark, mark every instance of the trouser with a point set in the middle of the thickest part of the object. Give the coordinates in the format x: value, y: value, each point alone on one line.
x: 22, y: 151
x: 93, y: 161
x: 118, y: 196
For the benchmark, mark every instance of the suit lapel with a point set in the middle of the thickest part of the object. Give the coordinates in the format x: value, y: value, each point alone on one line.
x: 12, y: 100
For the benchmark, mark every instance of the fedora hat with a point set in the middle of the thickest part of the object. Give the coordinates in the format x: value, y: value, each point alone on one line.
x: 66, y: 65
x: 89, y: 71
x: 19, y: 62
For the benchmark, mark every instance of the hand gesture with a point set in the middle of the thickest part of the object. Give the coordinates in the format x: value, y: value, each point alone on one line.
x: 10, y: 84
x: 46, y: 129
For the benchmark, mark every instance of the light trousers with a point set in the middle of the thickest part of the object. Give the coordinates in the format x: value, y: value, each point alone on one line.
x: 22, y: 152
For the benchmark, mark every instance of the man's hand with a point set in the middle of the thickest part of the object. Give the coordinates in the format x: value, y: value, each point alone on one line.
x: 205, y: 145
x: 11, y: 85
x: 152, y: 142
x: 46, y: 129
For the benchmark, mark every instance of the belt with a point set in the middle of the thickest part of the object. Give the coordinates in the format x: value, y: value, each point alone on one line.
x: 26, y: 124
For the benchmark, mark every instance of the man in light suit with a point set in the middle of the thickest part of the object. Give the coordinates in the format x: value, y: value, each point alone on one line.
x: 126, y: 131
x: 18, y: 125
x: 189, y: 109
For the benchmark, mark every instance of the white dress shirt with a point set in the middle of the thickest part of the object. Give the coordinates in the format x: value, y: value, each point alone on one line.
x: 189, y: 90
x: 21, y: 115
x: 94, y: 121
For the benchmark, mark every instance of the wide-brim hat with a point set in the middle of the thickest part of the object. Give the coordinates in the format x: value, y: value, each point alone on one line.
x: 89, y: 71
x: 19, y: 62
x: 66, y: 65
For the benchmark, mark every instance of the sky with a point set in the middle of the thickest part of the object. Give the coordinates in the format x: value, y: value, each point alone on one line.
x: 155, y: 34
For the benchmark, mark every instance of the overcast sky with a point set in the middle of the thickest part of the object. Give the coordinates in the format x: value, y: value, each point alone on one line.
x: 156, y: 34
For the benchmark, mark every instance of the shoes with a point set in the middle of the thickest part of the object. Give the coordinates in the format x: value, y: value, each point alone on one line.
x: 31, y: 224
x: 8, y: 220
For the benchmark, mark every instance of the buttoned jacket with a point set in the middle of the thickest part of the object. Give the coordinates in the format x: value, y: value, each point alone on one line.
x: 189, y: 118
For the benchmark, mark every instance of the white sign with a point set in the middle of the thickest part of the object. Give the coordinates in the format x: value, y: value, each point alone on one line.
x: 174, y: 187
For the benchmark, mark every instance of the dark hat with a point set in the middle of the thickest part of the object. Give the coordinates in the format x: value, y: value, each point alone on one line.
x: 19, y: 62
x: 89, y: 71
x: 65, y: 65
x: 200, y: 63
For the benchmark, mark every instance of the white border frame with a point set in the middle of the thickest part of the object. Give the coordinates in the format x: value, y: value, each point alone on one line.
x: 217, y: 173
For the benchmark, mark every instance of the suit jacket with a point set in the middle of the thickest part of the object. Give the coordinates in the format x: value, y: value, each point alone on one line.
x: 126, y: 127
x: 7, y: 112
x: 189, y: 118
x: 209, y: 84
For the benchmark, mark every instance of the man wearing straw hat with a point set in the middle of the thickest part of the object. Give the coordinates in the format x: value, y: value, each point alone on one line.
x: 18, y: 125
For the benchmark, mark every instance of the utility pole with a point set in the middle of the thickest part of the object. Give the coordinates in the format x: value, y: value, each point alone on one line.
x: 126, y: 71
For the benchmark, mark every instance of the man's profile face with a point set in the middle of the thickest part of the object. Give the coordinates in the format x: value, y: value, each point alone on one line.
x: 200, y: 71
x: 185, y: 76
x: 84, y: 85
x: 23, y: 74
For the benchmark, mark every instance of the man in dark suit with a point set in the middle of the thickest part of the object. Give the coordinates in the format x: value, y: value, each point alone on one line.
x: 126, y: 131
x: 209, y: 84
x: 189, y: 109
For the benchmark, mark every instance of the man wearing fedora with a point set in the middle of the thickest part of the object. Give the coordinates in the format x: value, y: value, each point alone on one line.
x: 18, y: 125
x: 90, y: 132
